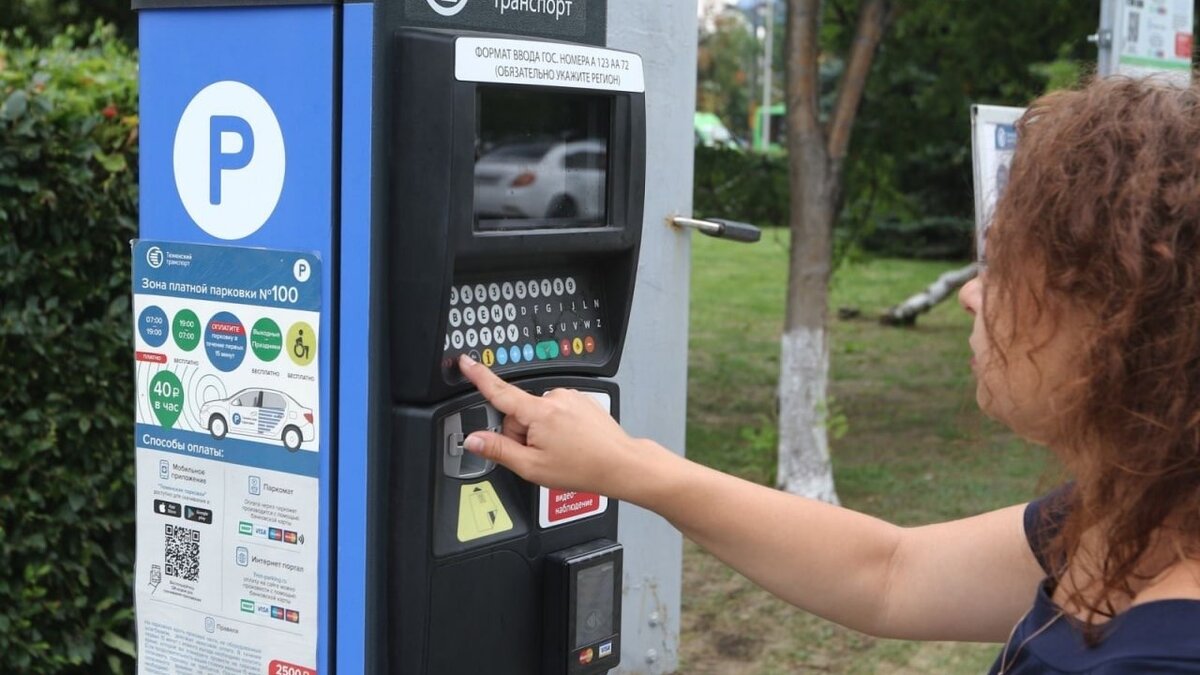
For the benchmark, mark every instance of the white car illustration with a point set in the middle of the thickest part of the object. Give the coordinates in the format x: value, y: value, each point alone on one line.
x: 262, y: 413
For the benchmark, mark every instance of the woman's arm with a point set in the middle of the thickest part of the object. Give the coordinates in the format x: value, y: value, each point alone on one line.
x: 970, y: 579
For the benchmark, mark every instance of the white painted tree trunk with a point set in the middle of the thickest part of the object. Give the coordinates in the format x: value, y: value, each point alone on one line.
x: 816, y: 154
x: 804, y: 467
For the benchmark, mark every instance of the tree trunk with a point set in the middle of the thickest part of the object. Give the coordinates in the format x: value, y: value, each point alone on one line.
x: 804, y: 467
x: 816, y: 153
x: 905, y: 313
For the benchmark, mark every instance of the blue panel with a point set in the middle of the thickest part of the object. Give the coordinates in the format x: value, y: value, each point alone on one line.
x: 355, y: 367
x: 286, y: 55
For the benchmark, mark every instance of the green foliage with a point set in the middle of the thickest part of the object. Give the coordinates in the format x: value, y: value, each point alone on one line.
x: 43, y: 19
x: 935, y: 61
x: 908, y: 184
x: 743, y: 186
x: 726, y: 59
x: 68, y: 195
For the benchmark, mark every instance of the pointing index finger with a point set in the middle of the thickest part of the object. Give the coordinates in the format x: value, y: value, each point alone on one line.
x: 506, y: 398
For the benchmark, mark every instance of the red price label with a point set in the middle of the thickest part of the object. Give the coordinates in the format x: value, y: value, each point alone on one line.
x: 284, y: 668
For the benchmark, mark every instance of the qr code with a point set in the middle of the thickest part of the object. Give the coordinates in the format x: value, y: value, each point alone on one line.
x: 182, y: 553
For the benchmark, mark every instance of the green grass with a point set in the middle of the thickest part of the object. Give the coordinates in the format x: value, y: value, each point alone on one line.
x: 915, y: 448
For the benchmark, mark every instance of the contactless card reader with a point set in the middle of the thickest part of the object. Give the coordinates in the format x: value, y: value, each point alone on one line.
x: 583, y: 609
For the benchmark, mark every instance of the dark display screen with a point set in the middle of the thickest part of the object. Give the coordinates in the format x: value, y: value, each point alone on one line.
x: 541, y: 159
x: 594, y: 608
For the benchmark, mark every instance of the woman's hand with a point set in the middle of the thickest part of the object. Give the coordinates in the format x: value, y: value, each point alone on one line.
x: 563, y: 440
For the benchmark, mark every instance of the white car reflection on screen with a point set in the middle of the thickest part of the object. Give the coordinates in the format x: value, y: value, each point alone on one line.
x: 260, y: 413
x: 543, y: 179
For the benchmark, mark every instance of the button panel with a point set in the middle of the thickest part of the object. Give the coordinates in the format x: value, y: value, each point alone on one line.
x: 513, y: 322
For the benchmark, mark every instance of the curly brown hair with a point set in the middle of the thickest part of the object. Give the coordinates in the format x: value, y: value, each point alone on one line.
x: 1102, y: 213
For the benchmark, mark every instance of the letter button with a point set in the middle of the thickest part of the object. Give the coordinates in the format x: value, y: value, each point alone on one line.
x: 456, y: 339
x: 468, y: 316
x: 472, y: 337
x: 455, y: 317
x: 485, y: 337
x: 510, y: 312
x: 497, y: 314
x: 481, y: 315
x: 513, y: 334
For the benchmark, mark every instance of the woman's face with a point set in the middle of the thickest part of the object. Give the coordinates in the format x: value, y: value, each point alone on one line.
x: 1025, y: 389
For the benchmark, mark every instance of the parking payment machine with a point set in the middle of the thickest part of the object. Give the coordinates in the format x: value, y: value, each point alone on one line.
x: 338, y: 199
x: 515, y: 217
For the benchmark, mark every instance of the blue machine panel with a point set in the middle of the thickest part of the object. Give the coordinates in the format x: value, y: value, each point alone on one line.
x: 237, y: 147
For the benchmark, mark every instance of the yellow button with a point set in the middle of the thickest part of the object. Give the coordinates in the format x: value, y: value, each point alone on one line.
x: 489, y: 358
x: 577, y: 346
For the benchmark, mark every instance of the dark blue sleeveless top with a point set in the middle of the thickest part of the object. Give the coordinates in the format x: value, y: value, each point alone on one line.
x: 1162, y: 636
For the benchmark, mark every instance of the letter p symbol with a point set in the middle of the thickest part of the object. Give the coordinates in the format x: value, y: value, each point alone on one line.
x: 231, y: 147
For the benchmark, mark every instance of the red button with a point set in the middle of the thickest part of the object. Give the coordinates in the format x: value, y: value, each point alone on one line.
x: 589, y: 344
x: 565, y: 347
x: 586, y: 656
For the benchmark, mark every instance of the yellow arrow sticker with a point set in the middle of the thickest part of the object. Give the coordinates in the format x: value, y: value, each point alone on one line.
x: 480, y: 512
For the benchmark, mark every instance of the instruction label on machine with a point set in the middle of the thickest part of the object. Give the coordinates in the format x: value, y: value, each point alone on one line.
x: 227, y: 444
x: 547, y: 64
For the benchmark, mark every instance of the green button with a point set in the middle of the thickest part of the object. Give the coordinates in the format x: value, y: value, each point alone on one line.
x: 547, y: 350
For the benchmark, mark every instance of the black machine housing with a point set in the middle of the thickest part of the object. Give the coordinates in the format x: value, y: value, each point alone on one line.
x: 433, y: 240
x: 493, y: 604
x: 481, y: 608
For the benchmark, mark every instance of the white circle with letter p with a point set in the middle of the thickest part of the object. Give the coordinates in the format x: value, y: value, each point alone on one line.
x: 229, y: 160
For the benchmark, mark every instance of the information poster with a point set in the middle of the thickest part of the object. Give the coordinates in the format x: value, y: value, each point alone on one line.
x: 227, y: 444
x: 1154, y: 36
x: 993, y: 142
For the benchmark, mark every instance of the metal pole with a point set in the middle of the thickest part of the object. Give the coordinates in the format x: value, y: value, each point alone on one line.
x: 1103, y: 39
x: 768, y: 59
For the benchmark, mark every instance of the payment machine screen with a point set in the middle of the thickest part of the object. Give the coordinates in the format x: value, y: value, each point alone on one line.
x: 541, y: 159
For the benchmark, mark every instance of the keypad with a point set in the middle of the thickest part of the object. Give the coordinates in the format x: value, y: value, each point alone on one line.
x: 522, y: 321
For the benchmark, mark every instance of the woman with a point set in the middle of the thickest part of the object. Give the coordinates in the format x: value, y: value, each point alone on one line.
x: 1086, y: 339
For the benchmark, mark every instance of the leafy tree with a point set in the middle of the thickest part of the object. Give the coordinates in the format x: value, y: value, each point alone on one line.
x: 726, y: 59
x: 43, y: 19
x: 911, y: 152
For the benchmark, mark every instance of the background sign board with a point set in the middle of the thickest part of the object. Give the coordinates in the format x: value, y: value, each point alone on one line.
x: 573, y: 20
x: 993, y: 141
x: 1154, y: 37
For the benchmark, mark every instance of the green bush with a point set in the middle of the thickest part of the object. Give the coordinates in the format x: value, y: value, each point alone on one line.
x: 68, y: 199
x: 753, y: 188
x: 745, y: 186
